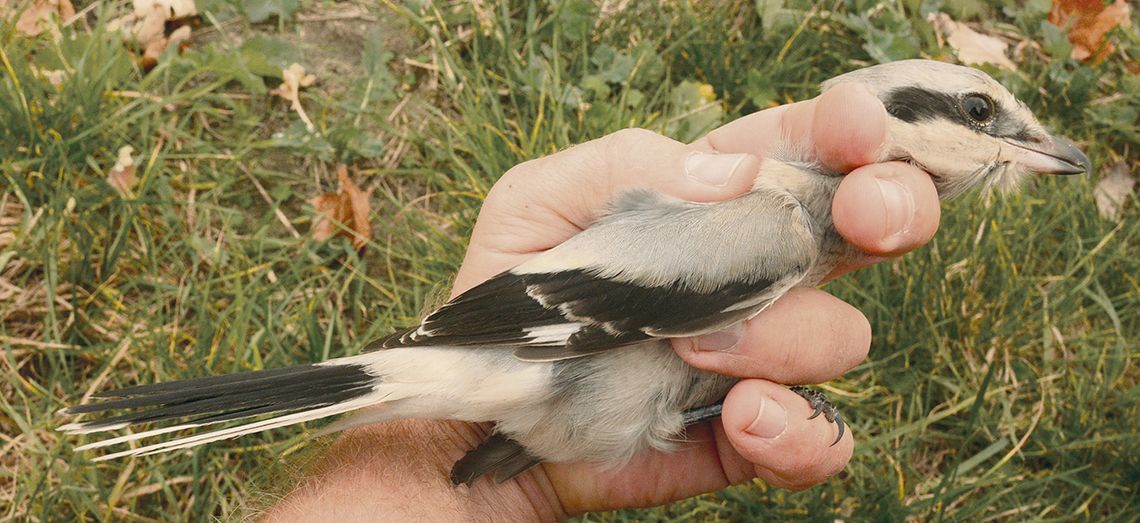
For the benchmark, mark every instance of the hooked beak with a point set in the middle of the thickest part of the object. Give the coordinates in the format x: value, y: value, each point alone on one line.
x: 1052, y: 155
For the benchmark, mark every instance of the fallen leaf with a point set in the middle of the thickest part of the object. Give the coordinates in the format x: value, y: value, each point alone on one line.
x: 122, y: 175
x: 971, y: 46
x: 157, y: 47
x: 38, y: 17
x: 53, y: 76
x: 1088, y: 21
x: 290, y: 89
x: 344, y: 213
x: 156, y: 24
x: 152, y: 28
x: 1113, y: 191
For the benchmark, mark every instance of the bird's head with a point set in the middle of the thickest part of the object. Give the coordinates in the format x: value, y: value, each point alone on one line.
x: 961, y: 126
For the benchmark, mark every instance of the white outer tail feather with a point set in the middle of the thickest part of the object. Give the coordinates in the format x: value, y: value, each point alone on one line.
x: 232, y: 432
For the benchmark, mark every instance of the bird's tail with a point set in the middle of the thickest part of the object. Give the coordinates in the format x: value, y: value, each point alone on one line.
x: 290, y: 395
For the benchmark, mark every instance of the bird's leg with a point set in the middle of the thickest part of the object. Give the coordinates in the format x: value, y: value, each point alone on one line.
x: 815, y: 398
x: 701, y: 414
x: 821, y: 405
x: 499, y: 455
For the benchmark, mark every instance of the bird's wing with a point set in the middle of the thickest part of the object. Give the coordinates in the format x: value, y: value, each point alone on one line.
x: 652, y: 268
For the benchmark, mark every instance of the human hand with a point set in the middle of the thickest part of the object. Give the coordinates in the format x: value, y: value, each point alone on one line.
x: 883, y: 209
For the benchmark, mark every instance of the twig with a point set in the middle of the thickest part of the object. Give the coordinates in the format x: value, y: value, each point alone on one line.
x: 82, y: 12
x: 276, y: 210
x: 25, y: 342
x: 354, y: 15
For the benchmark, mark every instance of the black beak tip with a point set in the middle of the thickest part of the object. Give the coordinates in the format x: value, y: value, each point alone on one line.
x: 1070, y: 154
x: 1084, y: 165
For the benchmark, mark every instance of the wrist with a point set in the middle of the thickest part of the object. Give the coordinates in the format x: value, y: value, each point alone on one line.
x: 399, y: 471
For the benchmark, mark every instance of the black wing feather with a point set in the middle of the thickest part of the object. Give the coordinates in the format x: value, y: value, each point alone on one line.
x: 609, y: 313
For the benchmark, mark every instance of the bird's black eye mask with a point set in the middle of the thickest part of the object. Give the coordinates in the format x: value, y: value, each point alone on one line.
x: 974, y: 110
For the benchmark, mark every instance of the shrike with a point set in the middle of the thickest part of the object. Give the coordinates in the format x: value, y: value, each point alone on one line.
x: 568, y: 353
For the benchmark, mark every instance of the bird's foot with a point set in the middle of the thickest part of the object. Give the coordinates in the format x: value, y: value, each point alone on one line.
x: 815, y: 398
x: 822, y: 405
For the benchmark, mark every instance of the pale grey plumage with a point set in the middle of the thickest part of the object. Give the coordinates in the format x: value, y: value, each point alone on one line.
x: 568, y: 352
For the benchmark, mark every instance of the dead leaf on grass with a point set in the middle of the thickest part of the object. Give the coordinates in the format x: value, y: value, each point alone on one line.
x: 295, y: 78
x: 1113, y: 191
x: 1087, y: 22
x: 155, y: 25
x: 122, y: 175
x: 158, y: 46
x: 53, y: 76
x: 344, y: 213
x: 971, y: 46
x: 37, y: 18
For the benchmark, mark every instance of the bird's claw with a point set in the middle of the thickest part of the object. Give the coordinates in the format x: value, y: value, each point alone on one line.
x: 822, y: 405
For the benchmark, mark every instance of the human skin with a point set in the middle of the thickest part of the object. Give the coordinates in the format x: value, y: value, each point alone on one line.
x: 399, y: 470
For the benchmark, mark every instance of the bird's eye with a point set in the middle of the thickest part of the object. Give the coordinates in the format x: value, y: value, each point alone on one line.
x: 978, y: 107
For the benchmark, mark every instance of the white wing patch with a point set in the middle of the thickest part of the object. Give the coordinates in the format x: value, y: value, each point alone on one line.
x: 552, y: 334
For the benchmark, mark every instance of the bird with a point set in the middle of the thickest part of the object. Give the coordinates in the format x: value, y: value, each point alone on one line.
x: 568, y: 352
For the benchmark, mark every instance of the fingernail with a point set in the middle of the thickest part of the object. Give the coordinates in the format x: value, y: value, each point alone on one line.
x: 712, y: 168
x: 722, y: 341
x: 898, y: 203
x: 771, y: 420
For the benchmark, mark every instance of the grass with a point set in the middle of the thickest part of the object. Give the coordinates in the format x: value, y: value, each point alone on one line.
x: 1002, y: 379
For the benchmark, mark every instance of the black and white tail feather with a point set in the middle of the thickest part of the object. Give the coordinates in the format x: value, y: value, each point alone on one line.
x: 290, y: 395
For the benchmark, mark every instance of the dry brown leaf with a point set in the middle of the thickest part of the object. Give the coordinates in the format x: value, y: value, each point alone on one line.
x: 158, y: 46
x: 151, y: 27
x: 53, y: 76
x: 971, y: 46
x: 1113, y: 191
x: 38, y: 17
x: 147, y: 27
x: 1088, y: 21
x: 344, y: 213
x: 294, y: 78
x: 122, y: 175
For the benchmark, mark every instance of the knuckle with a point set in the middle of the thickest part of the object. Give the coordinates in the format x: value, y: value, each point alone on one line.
x: 518, y: 172
x: 632, y: 136
x: 617, y: 145
x: 515, y: 179
x: 618, y: 148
